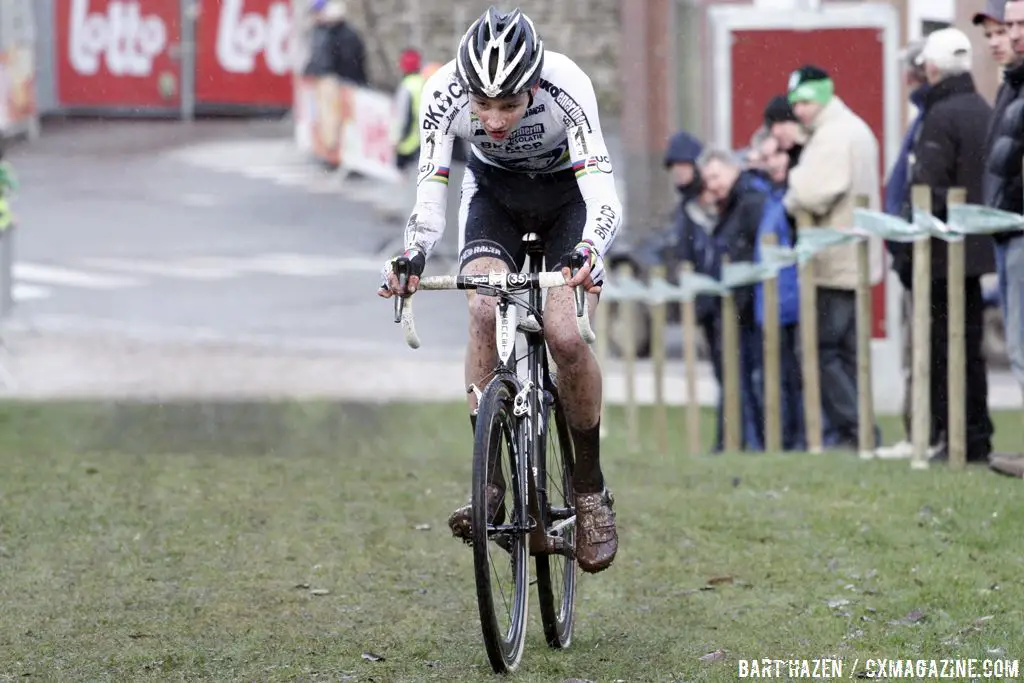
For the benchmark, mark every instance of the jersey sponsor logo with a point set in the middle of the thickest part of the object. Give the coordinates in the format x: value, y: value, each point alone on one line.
x: 508, y: 148
x: 527, y: 134
x: 523, y: 141
x: 574, y: 114
x: 481, y: 248
x: 606, y: 223
x: 476, y: 280
x: 425, y: 171
x: 539, y: 109
x: 444, y: 102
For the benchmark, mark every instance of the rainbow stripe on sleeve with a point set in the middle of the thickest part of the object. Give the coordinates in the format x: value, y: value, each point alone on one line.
x: 585, y: 167
x: 440, y: 176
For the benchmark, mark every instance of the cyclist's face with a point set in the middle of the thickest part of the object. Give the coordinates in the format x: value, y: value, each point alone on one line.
x: 500, y: 116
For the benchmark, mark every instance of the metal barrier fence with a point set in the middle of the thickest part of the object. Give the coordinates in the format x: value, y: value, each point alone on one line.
x: 963, y: 220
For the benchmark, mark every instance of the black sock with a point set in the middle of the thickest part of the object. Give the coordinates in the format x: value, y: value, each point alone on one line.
x: 587, y: 477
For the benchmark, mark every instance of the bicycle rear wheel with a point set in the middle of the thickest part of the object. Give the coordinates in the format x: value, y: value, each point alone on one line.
x: 556, y: 574
x: 500, y: 531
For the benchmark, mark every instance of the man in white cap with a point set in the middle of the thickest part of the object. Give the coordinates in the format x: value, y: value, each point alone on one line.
x: 950, y: 152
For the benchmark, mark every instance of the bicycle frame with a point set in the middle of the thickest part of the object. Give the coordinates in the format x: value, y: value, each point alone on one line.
x: 534, y: 397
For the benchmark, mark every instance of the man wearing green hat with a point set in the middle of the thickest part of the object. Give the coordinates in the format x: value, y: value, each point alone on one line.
x: 839, y: 162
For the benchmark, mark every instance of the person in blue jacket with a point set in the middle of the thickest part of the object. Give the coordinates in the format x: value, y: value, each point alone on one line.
x: 774, y: 221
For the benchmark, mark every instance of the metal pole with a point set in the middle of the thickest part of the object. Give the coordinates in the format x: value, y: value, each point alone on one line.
x: 187, y: 86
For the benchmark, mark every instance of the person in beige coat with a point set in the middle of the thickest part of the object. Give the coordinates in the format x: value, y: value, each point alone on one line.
x: 839, y: 162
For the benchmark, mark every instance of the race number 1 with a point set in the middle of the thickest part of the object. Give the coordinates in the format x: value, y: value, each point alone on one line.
x: 580, y: 141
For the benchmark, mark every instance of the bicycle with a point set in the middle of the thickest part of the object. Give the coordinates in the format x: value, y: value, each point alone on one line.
x: 519, y: 415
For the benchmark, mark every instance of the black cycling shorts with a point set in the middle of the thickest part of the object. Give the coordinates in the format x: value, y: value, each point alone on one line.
x: 498, y: 207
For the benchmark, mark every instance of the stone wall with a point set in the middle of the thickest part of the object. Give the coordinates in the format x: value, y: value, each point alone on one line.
x: 588, y: 31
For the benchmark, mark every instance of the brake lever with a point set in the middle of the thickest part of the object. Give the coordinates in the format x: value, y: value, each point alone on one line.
x: 576, y: 262
x: 401, y: 267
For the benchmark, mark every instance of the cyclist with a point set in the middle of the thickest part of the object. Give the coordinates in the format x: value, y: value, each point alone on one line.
x: 539, y: 164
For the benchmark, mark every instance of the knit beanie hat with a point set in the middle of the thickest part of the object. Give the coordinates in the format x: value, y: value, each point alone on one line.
x: 778, y: 110
x: 810, y: 84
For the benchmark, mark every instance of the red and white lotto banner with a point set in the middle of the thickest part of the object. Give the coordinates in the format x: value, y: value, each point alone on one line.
x: 127, y: 53
x: 244, y: 52
x: 117, y: 54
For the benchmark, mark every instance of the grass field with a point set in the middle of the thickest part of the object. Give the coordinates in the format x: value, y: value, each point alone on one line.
x: 280, y: 543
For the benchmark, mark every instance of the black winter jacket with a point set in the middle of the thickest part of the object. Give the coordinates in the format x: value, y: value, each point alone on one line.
x: 733, y: 234
x: 337, y: 49
x: 736, y: 235
x: 949, y: 151
x: 1004, y: 187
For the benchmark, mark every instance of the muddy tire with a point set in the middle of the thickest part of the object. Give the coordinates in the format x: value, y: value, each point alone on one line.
x: 500, y: 548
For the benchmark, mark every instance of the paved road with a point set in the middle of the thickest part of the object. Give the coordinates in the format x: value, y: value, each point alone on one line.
x: 129, y: 226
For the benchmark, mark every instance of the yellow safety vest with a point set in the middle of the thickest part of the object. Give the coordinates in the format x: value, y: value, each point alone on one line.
x: 414, y: 84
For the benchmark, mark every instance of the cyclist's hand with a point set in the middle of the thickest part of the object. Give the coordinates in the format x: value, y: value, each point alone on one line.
x: 411, y: 262
x: 581, y: 260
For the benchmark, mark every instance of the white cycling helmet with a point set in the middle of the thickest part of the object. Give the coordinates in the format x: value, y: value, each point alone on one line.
x: 500, y: 55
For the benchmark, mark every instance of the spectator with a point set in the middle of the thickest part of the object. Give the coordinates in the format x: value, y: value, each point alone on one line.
x: 335, y: 47
x: 1002, y: 189
x: 754, y: 161
x: 839, y: 162
x: 897, y: 194
x: 775, y: 163
x: 740, y: 205
x: 407, y: 107
x: 681, y: 161
x: 996, y: 36
x: 405, y: 136
x: 949, y: 151
x: 783, y: 125
x: 696, y: 215
x: 694, y: 223
x: 774, y: 221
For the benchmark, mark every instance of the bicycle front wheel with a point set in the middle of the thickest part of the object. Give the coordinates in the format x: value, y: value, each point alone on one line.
x: 500, y: 523
x: 556, y: 573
